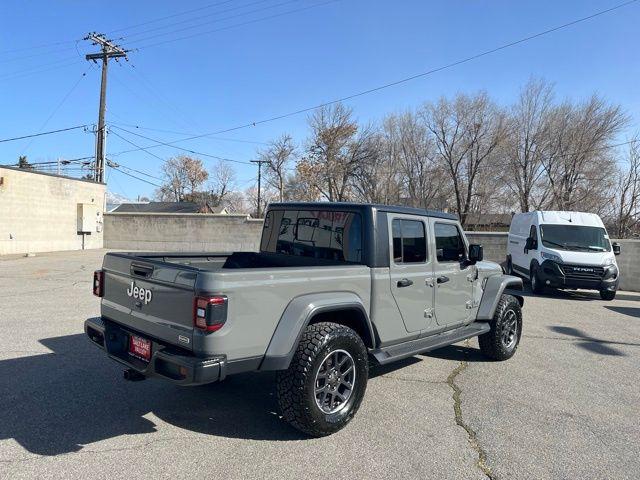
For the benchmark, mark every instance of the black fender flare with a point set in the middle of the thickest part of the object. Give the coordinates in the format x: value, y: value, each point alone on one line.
x: 297, y: 316
x: 495, y: 286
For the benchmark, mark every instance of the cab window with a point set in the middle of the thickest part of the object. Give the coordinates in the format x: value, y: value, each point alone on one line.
x: 409, y: 241
x: 449, y: 243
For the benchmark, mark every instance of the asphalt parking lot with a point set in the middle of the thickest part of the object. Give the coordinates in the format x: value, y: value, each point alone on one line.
x: 566, y: 406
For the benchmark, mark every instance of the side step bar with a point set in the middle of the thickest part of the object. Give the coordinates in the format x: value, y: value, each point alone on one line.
x: 432, y: 342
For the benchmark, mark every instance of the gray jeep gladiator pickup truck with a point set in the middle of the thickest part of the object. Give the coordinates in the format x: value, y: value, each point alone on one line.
x: 334, y: 288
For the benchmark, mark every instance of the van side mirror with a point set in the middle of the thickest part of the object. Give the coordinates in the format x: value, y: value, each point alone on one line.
x: 616, y: 248
x: 476, y: 253
x: 531, y: 244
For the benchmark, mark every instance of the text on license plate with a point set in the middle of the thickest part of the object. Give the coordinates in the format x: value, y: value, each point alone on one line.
x: 140, y: 347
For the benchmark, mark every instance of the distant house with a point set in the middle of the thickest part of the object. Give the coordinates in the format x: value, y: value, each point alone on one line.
x: 158, y: 207
x: 488, y: 222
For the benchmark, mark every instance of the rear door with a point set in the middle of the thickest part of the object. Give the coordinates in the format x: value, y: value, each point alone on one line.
x: 152, y: 297
x: 411, y: 270
x: 454, y: 278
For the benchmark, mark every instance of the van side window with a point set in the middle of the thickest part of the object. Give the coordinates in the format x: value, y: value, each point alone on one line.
x: 409, y: 241
x: 449, y: 243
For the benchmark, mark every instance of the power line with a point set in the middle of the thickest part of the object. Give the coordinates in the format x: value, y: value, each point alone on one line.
x: 209, y: 22
x: 186, y: 134
x: 50, y: 132
x: 168, y: 144
x: 127, y: 38
x: 249, y: 22
x: 116, y: 167
x: 170, y: 16
x: 137, y: 146
x: 401, y: 81
x: 63, y: 63
x: 55, y: 110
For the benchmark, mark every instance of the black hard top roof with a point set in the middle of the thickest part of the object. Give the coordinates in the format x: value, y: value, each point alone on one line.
x: 361, y: 206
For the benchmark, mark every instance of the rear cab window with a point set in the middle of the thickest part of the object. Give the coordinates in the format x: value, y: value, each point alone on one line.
x: 450, y: 246
x: 322, y: 234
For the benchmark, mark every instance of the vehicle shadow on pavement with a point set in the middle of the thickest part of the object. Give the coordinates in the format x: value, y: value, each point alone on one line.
x: 630, y: 311
x: 458, y: 353
x: 580, y: 295
x: 59, y: 402
x: 592, y: 344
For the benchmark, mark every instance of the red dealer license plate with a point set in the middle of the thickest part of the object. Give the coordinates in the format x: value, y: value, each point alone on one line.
x: 140, y: 347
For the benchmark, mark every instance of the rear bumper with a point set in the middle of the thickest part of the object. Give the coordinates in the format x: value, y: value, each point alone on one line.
x: 552, y: 275
x: 166, y: 362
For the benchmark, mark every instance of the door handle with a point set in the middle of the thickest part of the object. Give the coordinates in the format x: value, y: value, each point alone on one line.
x: 405, y: 282
x: 442, y: 279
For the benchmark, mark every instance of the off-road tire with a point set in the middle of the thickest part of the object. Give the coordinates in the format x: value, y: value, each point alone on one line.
x: 296, y: 385
x: 607, y: 294
x: 536, y: 285
x: 492, y: 343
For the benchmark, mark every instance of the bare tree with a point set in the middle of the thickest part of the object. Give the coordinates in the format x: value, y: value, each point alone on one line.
x: 628, y: 201
x: 336, y: 147
x: 223, y: 178
x: 467, y: 132
x: 278, y: 156
x: 579, y: 163
x: 181, y: 175
x: 527, y: 141
x: 267, y: 195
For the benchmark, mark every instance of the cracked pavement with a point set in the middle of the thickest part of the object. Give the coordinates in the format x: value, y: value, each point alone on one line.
x: 564, y: 407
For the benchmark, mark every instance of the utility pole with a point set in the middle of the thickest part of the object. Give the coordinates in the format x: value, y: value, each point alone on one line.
x: 108, y: 50
x: 259, y: 162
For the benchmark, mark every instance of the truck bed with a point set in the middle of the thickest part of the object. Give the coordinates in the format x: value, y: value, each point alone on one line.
x: 235, y: 260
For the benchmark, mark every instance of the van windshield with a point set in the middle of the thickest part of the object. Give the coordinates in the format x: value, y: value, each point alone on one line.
x: 575, y: 237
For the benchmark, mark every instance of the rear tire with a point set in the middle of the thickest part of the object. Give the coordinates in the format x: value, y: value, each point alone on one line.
x: 501, y: 342
x: 324, y: 385
x: 607, y: 294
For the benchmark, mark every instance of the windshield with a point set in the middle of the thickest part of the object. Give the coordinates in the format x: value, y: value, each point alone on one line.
x: 575, y: 237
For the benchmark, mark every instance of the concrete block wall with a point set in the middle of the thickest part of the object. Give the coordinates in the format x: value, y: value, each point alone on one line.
x: 39, y: 212
x: 181, y: 232
x: 495, y: 249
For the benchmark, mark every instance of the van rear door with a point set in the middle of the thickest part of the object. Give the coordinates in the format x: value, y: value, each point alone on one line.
x: 151, y: 297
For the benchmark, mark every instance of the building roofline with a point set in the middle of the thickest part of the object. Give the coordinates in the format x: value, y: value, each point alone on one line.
x: 26, y: 170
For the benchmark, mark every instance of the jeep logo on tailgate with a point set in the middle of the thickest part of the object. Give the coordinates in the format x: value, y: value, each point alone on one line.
x: 139, y: 293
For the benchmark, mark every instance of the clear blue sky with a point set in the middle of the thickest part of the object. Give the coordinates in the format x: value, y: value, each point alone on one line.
x: 244, y: 73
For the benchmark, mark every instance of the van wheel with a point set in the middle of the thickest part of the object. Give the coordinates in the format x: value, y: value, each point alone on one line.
x: 501, y: 342
x: 607, y: 294
x: 323, y: 387
x: 536, y: 285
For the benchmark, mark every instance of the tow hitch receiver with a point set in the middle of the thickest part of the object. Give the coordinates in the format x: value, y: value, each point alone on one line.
x: 133, y: 376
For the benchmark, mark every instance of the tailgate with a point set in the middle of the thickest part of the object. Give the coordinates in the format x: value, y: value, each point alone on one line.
x: 150, y: 296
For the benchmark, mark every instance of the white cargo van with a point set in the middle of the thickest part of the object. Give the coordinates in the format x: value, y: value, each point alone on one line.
x: 563, y: 250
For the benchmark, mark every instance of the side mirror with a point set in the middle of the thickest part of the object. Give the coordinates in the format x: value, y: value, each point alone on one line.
x: 530, y: 244
x: 476, y: 253
x: 616, y: 248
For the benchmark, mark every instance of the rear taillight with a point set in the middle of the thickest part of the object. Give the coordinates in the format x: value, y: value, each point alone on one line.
x: 98, y: 283
x: 210, y: 313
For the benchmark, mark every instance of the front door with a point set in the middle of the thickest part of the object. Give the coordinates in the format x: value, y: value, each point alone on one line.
x: 411, y: 271
x: 454, y: 278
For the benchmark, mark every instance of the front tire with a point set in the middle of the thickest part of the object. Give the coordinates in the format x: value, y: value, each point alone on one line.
x: 536, y: 285
x: 325, y: 383
x: 501, y: 342
x: 607, y: 294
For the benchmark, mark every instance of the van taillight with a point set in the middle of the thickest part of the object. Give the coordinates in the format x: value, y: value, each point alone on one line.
x: 98, y: 283
x: 210, y: 313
